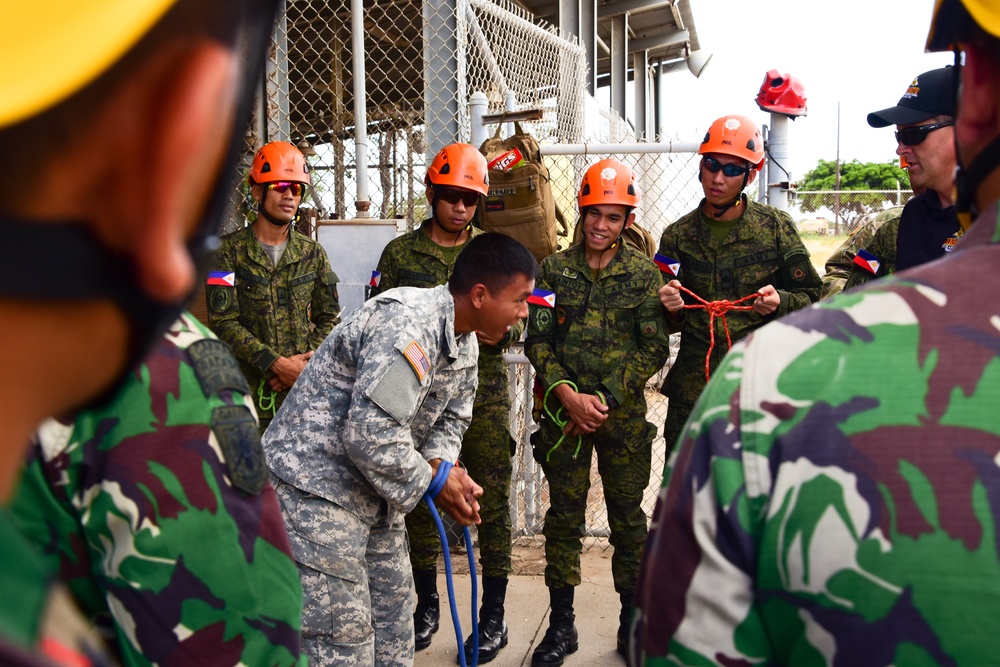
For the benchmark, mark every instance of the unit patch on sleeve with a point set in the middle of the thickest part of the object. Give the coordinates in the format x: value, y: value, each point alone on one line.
x: 216, y: 368
x: 236, y: 432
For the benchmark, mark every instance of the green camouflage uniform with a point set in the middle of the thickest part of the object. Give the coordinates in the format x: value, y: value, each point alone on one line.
x: 413, y: 260
x: 836, y: 497
x: 607, y: 334
x: 840, y: 265
x: 157, y: 513
x: 270, y: 311
x: 762, y: 248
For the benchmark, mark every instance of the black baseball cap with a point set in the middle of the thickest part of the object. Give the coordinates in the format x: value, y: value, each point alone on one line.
x: 931, y: 94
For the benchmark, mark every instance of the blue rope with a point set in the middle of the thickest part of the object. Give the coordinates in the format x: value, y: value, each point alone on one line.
x: 432, y: 492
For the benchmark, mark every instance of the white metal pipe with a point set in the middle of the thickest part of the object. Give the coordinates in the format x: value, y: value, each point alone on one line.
x: 486, y: 51
x: 360, y: 115
x: 510, y: 104
x: 777, y: 162
x: 604, y: 149
x: 477, y: 109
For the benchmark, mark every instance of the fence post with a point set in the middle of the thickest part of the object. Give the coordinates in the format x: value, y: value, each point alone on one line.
x: 477, y: 109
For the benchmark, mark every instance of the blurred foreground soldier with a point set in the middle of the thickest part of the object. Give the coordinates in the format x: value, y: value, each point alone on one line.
x: 456, y: 182
x: 596, y: 334
x: 384, y: 401
x: 926, y: 228
x: 729, y: 248
x: 272, y: 295
x: 156, y: 510
x: 128, y: 115
x: 836, y: 498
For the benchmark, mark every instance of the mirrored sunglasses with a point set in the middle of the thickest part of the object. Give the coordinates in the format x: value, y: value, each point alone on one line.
x: 730, y: 170
x: 298, y: 189
x: 454, y: 195
x: 911, y: 136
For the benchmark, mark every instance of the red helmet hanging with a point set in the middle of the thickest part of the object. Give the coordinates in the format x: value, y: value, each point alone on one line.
x: 782, y: 93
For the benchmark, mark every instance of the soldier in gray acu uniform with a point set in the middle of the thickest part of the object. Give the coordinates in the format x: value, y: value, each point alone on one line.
x: 385, y: 399
x: 728, y: 248
x: 424, y: 258
x: 596, y: 334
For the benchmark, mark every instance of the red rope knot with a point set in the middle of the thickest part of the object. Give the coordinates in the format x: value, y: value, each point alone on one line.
x: 717, y: 309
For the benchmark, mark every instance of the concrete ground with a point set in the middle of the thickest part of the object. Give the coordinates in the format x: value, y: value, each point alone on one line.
x: 527, y: 611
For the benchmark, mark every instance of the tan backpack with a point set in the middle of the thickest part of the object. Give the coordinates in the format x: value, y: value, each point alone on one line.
x: 520, y: 203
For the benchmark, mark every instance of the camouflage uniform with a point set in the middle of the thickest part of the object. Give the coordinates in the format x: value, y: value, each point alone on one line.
x: 836, y: 498
x: 607, y: 334
x: 923, y: 220
x: 413, y: 260
x: 156, y: 512
x: 762, y: 248
x: 390, y: 389
x: 840, y: 264
x: 270, y: 311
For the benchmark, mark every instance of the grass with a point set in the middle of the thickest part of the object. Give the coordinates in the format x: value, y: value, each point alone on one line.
x: 821, y: 247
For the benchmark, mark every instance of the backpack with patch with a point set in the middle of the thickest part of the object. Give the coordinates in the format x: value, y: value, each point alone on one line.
x: 520, y: 202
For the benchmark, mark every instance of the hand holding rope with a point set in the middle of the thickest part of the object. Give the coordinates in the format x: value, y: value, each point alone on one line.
x: 438, y: 483
x: 558, y: 419
x: 717, y: 309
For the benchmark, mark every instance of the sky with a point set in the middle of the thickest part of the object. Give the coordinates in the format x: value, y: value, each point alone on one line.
x: 861, y: 54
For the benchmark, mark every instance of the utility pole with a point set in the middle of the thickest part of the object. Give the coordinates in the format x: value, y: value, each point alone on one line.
x: 836, y: 206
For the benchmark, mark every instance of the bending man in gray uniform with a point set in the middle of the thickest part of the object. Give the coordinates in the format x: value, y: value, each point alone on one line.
x: 386, y: 398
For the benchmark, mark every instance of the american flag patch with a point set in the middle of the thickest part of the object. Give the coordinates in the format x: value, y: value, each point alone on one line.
x: 418, y: 360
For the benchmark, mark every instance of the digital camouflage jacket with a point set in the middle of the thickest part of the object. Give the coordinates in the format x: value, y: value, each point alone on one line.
x: 607, y: 333
x: 762, y: 248
x: 269, y: 311
x: 835, y: 499
x: 413, y: 260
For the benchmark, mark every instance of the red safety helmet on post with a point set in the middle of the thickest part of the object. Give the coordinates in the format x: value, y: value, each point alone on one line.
x: 782, y: 93
x: 279, y: 161
x: 459, y: 166
x: 737, y: 136
x: 608, y: 182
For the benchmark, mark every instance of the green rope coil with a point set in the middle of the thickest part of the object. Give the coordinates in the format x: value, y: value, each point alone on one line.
x: 558, y: 420
x: 266, y: 398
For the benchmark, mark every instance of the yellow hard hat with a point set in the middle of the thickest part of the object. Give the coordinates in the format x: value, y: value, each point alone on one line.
x: 63, y: 46
x: 943, y: 35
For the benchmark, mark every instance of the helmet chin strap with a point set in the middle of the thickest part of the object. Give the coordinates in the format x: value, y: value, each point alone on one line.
x: 270, y: 218
x: 721, y: 210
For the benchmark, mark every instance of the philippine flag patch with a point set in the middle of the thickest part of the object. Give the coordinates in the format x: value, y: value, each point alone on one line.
x: 376, y: 278
x: 667, y: 264
x: 418, y: 360
x: 542, y: 297
x: 224, y: 278
x: 867, y: 261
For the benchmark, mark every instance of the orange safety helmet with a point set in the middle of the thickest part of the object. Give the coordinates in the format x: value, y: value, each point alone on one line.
x: 737, y: 136
x: 459, y: 166
x: 279, y: 161
x: 782, y: 93
x: 608, y: 182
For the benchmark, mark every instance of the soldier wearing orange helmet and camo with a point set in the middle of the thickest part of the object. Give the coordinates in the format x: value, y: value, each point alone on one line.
x: 728, y: 248
x: 272, y: 295
x: 596, y: 334
x: 456, y: 181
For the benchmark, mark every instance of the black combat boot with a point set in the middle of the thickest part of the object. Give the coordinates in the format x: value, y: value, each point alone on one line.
x: 492, y: 627
x: 624, y: 623
x: 428, y: 611
x: 561, y: 638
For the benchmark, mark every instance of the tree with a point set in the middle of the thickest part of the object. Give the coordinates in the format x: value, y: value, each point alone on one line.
x: 880, y: 181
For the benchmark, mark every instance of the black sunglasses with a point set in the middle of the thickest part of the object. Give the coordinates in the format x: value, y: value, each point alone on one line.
x: 730, y: 170
x: 454, y: 195
x: 911, y: 136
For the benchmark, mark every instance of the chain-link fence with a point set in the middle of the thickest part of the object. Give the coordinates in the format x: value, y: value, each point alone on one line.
x: 837, y: 212
x: 423, y: 60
